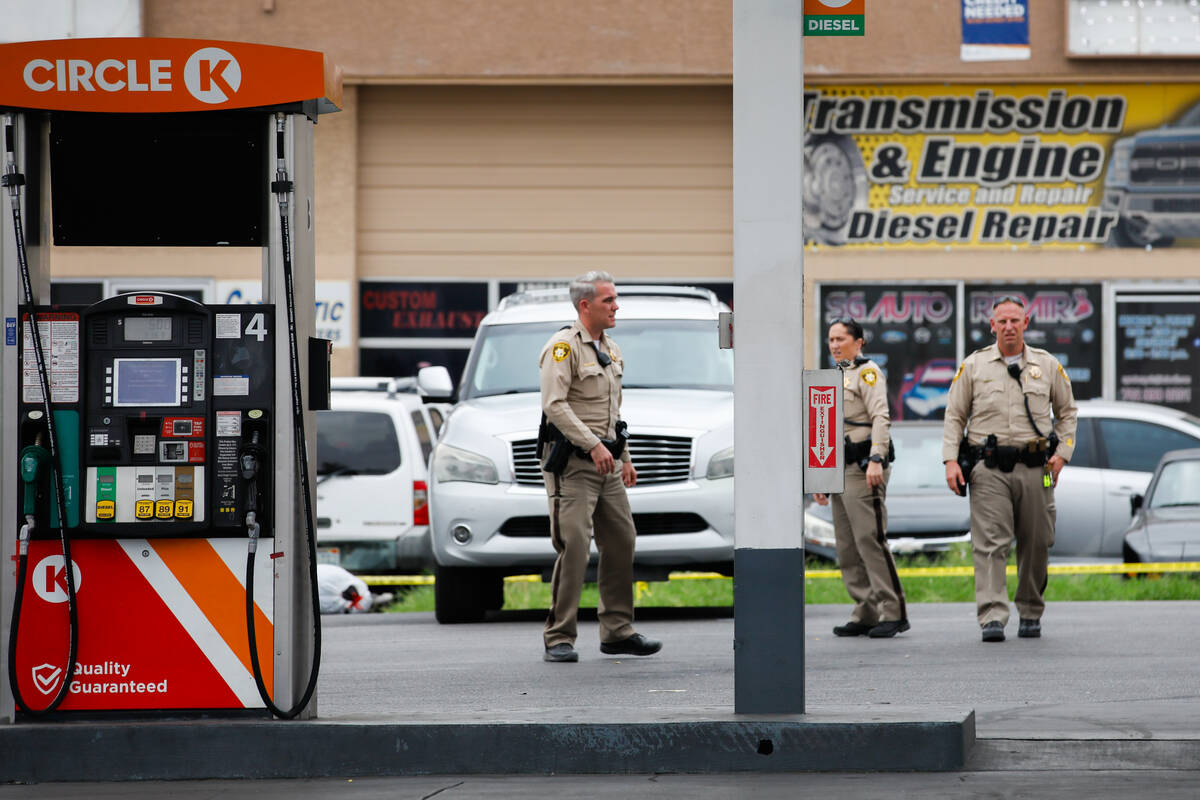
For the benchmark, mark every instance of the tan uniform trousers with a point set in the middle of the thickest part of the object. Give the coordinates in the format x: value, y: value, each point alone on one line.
x: 584, y: 503
x: 1004, y: 507
x: 866, y: 563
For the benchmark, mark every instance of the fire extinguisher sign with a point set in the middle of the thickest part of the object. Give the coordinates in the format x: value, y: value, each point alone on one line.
x: 824, y: 457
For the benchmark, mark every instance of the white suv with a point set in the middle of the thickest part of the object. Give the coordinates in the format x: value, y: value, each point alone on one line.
x: 489, y: 513
x: 373, y: 449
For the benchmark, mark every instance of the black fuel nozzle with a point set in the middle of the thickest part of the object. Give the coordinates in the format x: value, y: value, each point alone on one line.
x: 251, y: 460
x: 248, y: 463
x: 251, y: 457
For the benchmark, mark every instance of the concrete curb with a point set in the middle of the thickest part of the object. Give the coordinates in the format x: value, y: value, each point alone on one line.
x: 184, y: 750
x: 1023, y: 755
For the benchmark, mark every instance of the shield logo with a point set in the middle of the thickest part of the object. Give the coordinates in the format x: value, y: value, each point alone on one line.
x: 46, y: 678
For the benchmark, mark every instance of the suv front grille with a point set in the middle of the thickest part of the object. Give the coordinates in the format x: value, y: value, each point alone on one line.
x: 1165, y: 164
x: 647, y: 525
x: 659, y: 459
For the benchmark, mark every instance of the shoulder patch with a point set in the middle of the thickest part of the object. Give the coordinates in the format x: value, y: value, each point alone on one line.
x: 1063, y: 372
x: 869, y: 376
x: 561, y: 350
x: 960, y: 369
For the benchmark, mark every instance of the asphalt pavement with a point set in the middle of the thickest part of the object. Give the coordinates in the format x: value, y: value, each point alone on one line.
x: 1104, y: 705
x: 1101, y: 670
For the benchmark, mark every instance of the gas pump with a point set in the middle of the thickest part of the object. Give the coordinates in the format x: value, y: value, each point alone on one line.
x: 151, y: 444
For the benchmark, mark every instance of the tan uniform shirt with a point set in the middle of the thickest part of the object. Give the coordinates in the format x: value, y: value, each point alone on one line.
x: 580, y: 397
x: 985, y: 394
x: 864, y: 400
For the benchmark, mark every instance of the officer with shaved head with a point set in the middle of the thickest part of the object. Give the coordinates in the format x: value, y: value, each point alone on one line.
x: 1009, y: 430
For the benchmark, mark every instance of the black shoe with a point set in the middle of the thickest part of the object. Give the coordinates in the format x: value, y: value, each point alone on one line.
x: 993, y: 632
x: 636, y: 645
x: 852, y: 628
x: 1030, y: 629
x: 560, y: 652
x: 888, y: 628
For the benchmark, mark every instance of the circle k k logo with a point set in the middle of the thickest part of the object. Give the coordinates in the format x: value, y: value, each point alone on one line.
x: 212, y: 75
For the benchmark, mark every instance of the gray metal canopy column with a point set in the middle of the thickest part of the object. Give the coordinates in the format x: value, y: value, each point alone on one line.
x: 768, y: 283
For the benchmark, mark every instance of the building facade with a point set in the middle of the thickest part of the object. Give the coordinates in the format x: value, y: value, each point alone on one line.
x: 485, y: 146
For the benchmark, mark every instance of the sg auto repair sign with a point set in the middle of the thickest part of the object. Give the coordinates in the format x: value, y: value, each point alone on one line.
x: 997, y: 166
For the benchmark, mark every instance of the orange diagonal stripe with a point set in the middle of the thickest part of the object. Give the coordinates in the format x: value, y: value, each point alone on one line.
x: 221, y: 598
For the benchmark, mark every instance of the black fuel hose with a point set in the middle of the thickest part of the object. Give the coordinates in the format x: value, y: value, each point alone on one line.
x: 282, y: 187
x: 12, y: 180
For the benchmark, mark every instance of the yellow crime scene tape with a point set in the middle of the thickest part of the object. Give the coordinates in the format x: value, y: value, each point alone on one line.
x: 904, y: 572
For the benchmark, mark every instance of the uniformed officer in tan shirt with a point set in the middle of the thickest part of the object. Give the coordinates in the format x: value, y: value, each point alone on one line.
x: 581, y: 370
x: 859, y: 513
x: 1003, y: 396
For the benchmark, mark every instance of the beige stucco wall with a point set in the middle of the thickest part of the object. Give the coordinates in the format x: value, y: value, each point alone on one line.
x: 577, y: 44
x: 476, y: 40
x: 545, y: 181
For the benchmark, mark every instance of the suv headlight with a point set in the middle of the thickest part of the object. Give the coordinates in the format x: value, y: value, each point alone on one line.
x: 721, y: 465
x: 454, y: 464
x: 818, y: 531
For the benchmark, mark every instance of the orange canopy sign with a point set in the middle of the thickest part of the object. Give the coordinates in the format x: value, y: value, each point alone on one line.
x: 159, y: 75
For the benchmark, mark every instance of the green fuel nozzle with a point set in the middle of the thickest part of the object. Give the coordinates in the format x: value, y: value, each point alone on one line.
x: 35, y: 460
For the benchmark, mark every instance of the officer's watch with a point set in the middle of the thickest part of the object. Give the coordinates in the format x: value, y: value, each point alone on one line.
x: 877, y: 459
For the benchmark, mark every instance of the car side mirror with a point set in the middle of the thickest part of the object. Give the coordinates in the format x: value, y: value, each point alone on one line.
x: 433, y: 384
x: 1135, y: 503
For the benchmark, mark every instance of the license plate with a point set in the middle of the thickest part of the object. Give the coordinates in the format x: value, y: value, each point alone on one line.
x: 329, y: 555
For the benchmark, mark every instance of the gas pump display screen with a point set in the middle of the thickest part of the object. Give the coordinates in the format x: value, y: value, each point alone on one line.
x: 147, y: 329
x: 146, y: 381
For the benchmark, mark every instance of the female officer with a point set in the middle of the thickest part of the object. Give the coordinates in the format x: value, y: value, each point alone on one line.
x: 859, y: 515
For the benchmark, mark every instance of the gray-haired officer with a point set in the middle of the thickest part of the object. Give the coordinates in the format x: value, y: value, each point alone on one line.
x: 859, y: 513
x: 587, y: 471
x: 1003, y: 397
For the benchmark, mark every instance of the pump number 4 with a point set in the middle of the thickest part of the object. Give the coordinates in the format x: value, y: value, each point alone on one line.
x: 257, y: 327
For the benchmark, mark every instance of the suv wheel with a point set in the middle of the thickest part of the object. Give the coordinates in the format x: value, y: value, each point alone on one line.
x: 463, y: 594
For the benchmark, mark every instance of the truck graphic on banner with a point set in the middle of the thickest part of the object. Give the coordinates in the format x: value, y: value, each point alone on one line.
x: 1153, y: 184
x: 932, y: 166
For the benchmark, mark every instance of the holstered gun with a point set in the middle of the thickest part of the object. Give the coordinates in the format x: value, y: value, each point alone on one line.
x: 617, y: 446
x: 560, y: 448
x: 966, y: 460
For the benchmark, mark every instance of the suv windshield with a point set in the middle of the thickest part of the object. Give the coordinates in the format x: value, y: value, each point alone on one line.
x: 356, y: 443
x: 659, y: 354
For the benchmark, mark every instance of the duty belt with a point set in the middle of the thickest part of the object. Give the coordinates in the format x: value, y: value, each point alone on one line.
x: 860, y: 452
x: 1034, y: 453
